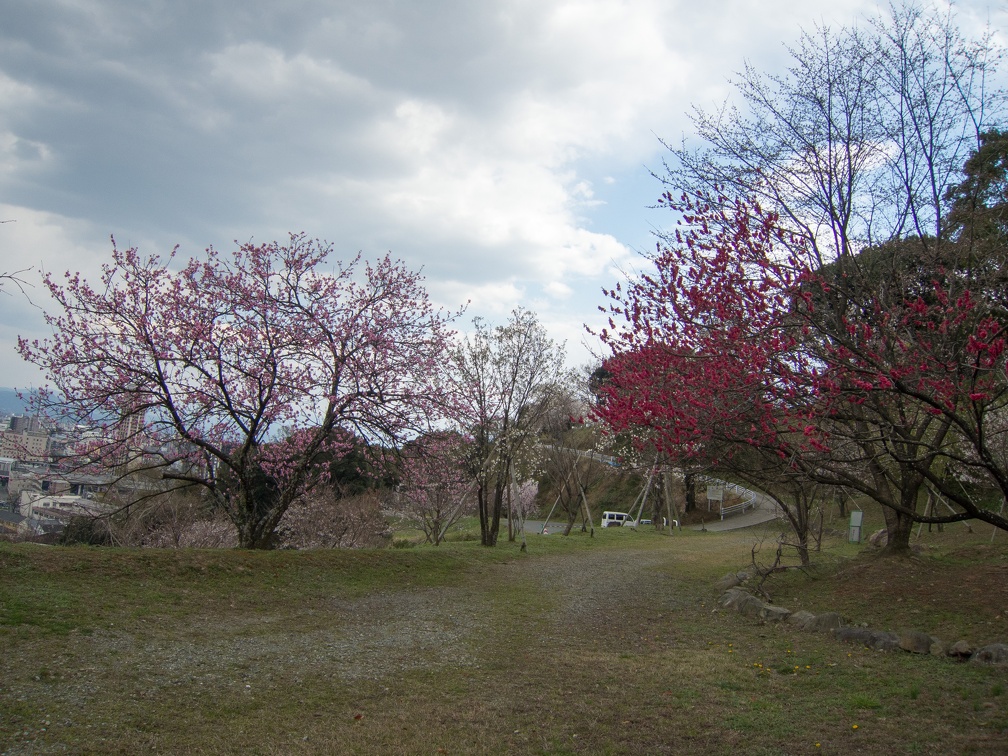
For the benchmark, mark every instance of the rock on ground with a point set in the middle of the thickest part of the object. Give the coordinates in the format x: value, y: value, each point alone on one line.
x: 875, y: 639
x: 996, y: 654
x: 823, y: 623
x: 916, y: 642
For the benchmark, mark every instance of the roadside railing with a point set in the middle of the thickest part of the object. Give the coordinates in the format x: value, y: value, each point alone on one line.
x: 749, y: 498
x: 741, y: 507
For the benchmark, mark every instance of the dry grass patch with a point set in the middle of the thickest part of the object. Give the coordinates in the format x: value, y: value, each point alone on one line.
x: 608, y: 645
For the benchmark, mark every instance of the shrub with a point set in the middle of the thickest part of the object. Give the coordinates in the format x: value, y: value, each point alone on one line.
x: 324, y: 520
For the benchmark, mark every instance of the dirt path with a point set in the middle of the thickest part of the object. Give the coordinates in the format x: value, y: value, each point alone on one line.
x: 591, y: 597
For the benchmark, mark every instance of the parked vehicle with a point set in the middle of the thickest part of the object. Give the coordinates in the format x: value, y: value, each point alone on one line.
x: 615, y: 519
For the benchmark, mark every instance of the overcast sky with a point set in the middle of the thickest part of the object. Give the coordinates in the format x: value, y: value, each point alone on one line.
x: 502, y: 146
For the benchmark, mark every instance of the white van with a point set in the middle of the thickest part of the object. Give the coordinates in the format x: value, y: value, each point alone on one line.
x: 615, y: 519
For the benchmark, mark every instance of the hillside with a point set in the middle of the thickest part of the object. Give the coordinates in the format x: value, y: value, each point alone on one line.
x: 10, y: 404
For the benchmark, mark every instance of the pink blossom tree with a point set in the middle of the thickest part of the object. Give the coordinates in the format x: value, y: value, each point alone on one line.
x: 435, y: 488
x: 237, y: 371
x: 895, y: 386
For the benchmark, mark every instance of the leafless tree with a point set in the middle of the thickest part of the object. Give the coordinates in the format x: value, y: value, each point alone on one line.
x: 506, y: 381
x: 857, y: 142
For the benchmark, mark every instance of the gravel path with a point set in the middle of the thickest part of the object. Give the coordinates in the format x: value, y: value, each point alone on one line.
x: 377, y: 634
x: 581, y: 599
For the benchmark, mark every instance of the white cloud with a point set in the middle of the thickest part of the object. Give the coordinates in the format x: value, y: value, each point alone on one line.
x: 491, y: 299
x: 34, y: 243
x: 558, y: 290
x: 490, y: 143
x: 267, y: 75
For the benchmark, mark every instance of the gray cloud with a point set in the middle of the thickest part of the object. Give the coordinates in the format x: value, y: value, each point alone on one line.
x: 501, y: 145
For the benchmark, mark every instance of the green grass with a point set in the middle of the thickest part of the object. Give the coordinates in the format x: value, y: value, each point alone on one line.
x: 607, y: 645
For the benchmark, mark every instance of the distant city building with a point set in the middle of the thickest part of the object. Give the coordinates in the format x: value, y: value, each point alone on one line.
x: 25, y: 424
x: 130, y: 440
x: 27, y: 445
x: 60, y: 507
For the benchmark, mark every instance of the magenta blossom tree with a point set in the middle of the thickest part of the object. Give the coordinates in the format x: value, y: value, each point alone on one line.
x: 236, y: 372
x: 883, y: 373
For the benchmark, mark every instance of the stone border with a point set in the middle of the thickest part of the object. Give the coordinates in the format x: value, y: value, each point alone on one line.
x: 745, y: 603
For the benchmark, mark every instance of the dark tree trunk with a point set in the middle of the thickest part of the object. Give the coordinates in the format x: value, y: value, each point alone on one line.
x: 498, y: 510
x: 657, y: 506
x: 803, y: 550
x: 899, y: 526
x: 258, y: 529
x: 490, y: 513
x: 258, y: 509
x: 571, y: 518
x: 484, y: 515
x: 690, y: 482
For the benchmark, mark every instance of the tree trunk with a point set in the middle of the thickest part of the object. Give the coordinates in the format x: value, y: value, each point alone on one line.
x: 255, y: 533
x: 689, y: 480
x: 512, y: 532
x: 657, y: 504
x: 803, y: 505
x: 490, y: 514
x: 484, y: 514
x: 255, y: 504
x: 803, y: 550
x: 899, y: 526
x: 670, y: 506
x: 571, y: 518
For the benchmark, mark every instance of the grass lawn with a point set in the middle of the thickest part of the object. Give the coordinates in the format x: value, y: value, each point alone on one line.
x: 606, y: 645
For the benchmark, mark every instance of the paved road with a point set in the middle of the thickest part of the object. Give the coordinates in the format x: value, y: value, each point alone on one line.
x: 747, y: 520
x: 765, y: 511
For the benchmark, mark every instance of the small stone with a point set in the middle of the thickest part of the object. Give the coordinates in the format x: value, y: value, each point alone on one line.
x: 879, y: 538
x: 874, y: 639
x: 859, y: 635
x: 750, y: 607
x: 996, y: 654
x: 730, y: 598
x: 915, y: 642
x: 800, y: 618
x: 774, y: 614
x: 937, y: 648
x: 960, y: 649
x: 823, y: 623
x: 728, y: 581
x: 883, y: 641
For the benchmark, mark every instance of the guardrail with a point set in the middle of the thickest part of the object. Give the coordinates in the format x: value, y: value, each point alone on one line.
x: 739, y: 508
x: 750, y: 498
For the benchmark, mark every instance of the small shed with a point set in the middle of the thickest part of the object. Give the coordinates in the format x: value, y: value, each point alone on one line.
x: 854, y: 532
